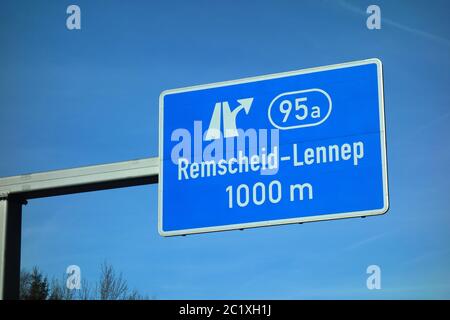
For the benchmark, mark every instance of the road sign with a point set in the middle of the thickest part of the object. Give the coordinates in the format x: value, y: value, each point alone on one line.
x: 292, y: 147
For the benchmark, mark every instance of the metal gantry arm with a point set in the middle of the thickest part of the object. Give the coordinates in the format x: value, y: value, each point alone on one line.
x: 14, y: 191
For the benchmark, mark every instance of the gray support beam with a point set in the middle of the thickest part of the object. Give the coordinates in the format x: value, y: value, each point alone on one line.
x: 14, y: 191
x: 3, y: 222
x: 82, y: 179
x: 10, y: 231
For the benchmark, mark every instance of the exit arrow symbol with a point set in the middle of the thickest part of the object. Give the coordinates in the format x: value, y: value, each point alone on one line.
x: 222, y: 110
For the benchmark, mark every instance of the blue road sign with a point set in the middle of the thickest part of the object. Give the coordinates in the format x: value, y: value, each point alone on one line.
x: 285, y: 148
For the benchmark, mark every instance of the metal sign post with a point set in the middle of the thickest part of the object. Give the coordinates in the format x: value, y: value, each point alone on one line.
x: 14, y: 191
x: 10, y: 233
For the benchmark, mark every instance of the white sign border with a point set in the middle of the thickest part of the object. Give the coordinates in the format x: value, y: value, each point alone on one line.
x: 333, y: 216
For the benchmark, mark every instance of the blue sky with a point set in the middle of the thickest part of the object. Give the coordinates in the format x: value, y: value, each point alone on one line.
x: 73, y: 98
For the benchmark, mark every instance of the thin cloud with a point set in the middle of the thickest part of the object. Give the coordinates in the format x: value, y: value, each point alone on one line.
x: 426, y: 256
x: 363, y: 242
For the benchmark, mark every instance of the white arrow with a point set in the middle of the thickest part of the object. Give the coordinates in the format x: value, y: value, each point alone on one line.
x: 229, y: 119
x: 243, y: 104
